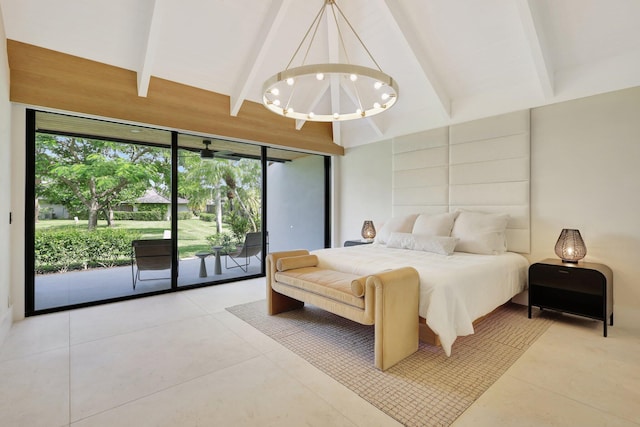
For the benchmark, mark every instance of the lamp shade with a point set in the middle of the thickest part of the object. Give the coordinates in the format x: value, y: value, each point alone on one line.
x: 570, y: 247
x: 368, y: 230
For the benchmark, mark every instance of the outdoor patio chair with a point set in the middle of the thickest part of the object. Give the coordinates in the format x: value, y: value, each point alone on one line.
x: 150, y: 255
x: 252, y: 247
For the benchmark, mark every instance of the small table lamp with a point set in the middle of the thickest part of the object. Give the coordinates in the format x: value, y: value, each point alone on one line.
x: 368, y: 231
x: 570, y: 247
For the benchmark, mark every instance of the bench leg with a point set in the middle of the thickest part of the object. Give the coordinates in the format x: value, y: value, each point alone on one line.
x: 278, y: 303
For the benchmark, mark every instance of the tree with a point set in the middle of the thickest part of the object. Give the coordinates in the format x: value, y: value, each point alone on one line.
x: 245, y: 183
x: 200, y: 181
x: 94, y: 175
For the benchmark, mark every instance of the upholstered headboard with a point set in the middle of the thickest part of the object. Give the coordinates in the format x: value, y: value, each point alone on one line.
x: 482, y: 165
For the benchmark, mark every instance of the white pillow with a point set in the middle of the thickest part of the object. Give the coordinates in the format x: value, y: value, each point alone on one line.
x: 481, y: 233
x: 401, y: 224
x: 400, y: 240
x: 443, y: 245
x: 434, y: 225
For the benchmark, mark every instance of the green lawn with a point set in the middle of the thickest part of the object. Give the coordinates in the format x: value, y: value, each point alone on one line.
x: 192, y: 233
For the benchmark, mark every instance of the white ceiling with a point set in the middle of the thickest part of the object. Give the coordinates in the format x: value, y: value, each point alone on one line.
x: 454, y: 60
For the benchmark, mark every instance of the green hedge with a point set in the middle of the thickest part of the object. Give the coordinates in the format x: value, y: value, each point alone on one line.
x: 207, y: 217
x: 139, y: 216
x: 185, y: 215
x: 63, y: 250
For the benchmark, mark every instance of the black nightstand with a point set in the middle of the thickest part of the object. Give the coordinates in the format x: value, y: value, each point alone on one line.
x: 355, y: 243
x: 585, y: 289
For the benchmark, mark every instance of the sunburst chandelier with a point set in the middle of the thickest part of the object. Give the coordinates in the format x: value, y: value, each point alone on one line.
x: 296, y: 92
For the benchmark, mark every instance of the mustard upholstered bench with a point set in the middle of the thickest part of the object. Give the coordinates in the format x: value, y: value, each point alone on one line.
x: 388, y: 300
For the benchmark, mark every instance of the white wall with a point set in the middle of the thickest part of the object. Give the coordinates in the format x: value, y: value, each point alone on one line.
x: 585, y: 159
x: 18, y: 173
x: 295, y: 209
x: 5, y: 185
x: 585, y: 174
x: 363, y: 189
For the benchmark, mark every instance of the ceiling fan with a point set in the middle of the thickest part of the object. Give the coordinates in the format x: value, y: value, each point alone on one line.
x: 206, y: 153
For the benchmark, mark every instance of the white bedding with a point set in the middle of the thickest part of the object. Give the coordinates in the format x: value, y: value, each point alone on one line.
x: 454, y: 290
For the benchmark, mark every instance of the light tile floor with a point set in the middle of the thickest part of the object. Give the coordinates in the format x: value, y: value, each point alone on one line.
x: 182, y: 360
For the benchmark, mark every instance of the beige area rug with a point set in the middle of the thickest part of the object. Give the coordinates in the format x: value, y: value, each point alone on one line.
x: 427, y: 388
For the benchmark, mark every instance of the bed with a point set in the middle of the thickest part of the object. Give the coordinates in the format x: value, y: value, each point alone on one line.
x: 465, y: 269
x: 455, y: 290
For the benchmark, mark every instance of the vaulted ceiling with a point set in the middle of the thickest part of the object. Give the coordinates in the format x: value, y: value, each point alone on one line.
x: 454, y: 60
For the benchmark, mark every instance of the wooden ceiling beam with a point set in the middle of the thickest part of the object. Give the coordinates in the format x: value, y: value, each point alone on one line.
x: 42, y: 77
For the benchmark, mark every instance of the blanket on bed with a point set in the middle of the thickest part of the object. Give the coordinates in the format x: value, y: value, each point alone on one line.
x: 454, y: 290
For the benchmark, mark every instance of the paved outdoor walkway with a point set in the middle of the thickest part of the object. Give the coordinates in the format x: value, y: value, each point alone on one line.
x: 76, y: 287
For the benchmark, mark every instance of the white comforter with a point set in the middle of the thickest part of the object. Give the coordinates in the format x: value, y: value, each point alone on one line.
x: 454, y: 290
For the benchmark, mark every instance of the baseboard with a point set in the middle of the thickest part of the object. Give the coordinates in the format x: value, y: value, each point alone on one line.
x: 5, y: 324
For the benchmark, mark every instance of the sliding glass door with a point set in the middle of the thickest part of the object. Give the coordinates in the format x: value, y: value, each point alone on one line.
x: 219, y: 210
x: 297, y: 211
x: 97, y: 202
x: 118, y: 211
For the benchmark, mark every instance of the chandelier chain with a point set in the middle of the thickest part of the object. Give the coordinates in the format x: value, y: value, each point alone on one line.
x: 370, y: 89
x: 314, y: 24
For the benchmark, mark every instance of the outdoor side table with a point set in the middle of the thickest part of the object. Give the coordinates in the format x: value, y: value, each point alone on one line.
x: 218, y: 265
x: 203, y: 266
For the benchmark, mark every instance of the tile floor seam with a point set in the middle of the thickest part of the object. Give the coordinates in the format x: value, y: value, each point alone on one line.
x: 169, y: 387
x: 340, y: 411
x: 580, y: 402
x: 33, y: 354
x: 195, y: 302
x: 138, y: 330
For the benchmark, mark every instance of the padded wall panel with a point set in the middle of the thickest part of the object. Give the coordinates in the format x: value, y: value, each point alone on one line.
x: 505, y: 170
x: 420, y: 196
x: 518, y: 215
x: 419, y: 159
x: 503, y: 147
x: 490, y: 194
x: 491, y: 127
x: 421, y: 140
x: 482, y: 165
x: 421, y: 172
x: 428, y: 176
x: 519, y: 240
x: 411, y: 209
x: 490, y: 171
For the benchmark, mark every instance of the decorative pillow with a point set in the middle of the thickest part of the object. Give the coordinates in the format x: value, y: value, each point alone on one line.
x: 443, y: 245
x: 434, y: 225
x: 401, y: 224
x: 293, y: 262
x: 400, y: 240
x: 358, y: 286
x: 481, y: 233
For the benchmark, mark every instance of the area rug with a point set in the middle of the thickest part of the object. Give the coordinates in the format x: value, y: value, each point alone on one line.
x: 425, y: 389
